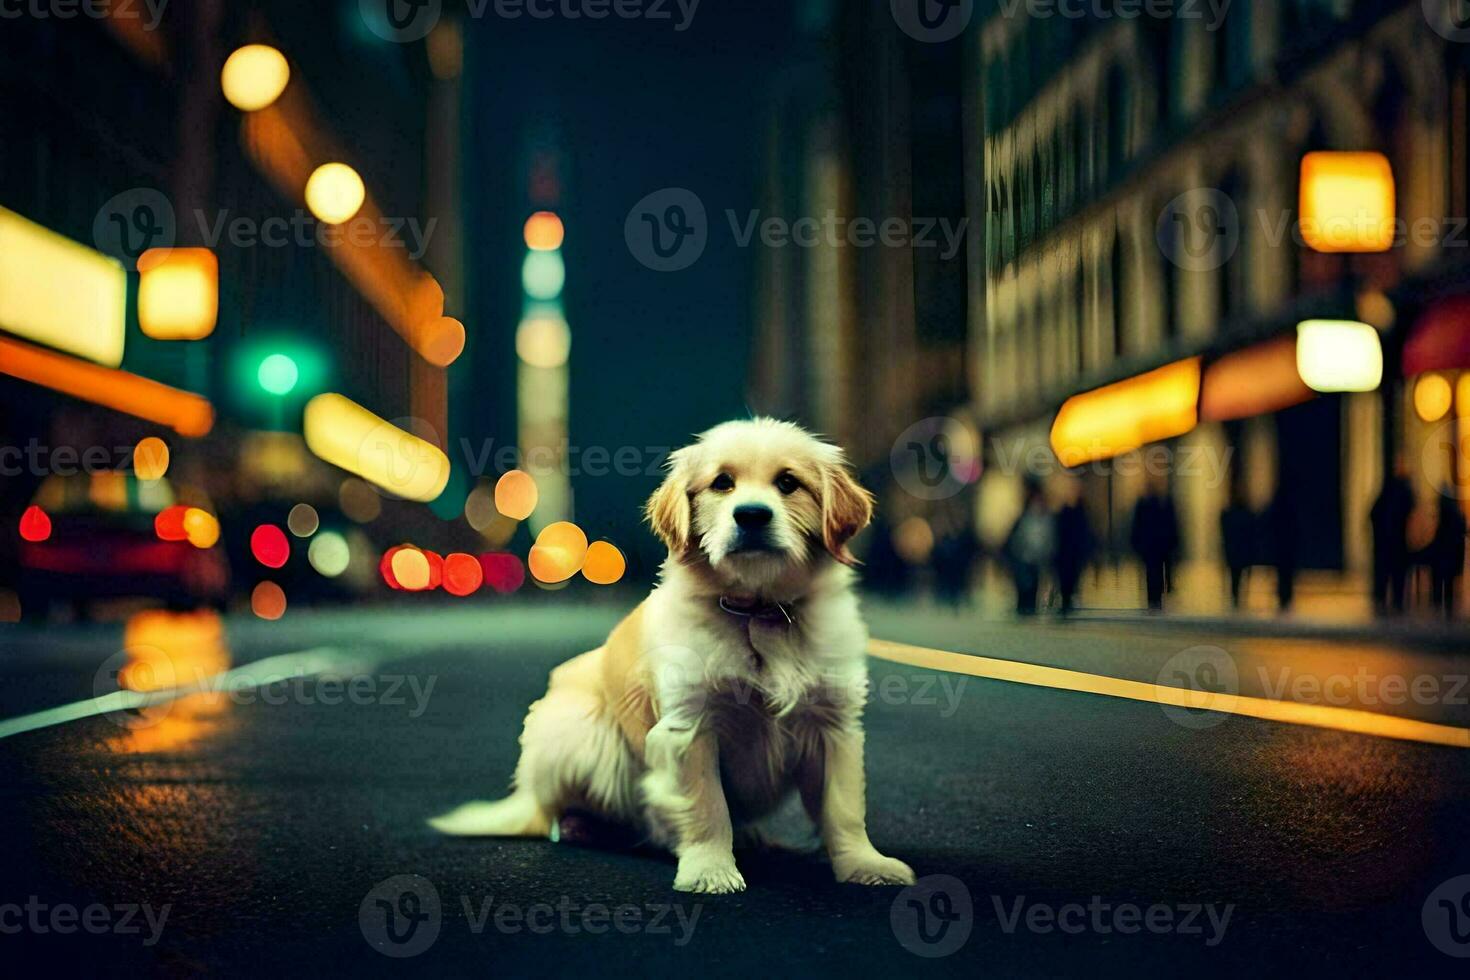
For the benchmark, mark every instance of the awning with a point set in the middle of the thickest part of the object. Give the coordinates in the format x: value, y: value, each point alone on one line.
x: 1440, y: 341
x: 1253, y: 381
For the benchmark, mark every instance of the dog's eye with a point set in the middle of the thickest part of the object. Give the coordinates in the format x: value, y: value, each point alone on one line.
x: 724, y: 483
x: 787, y: 483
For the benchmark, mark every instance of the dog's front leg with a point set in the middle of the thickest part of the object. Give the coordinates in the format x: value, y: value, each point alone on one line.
x: 683, y: 789
x: 835, y: 787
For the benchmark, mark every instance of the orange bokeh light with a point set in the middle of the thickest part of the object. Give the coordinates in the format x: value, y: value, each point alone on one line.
x: 558, y: 553
x: 410, y: 569
x: 268, y: 601
x: 544, y: 231
x: 516, y: 495
x: 604, y: 563
x: 462, y: 574
x: 201, y: 528
x: 150, y: 458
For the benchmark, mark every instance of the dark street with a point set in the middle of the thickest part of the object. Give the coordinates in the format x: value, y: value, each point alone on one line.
x: 701, y: 488
x: 261, y: 826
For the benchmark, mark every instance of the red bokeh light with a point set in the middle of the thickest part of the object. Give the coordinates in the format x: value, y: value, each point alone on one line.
x: 503, y: 571
x: 169, y: 523
x: 35, y: 525
x: 269, y: 546
x: 462, y: 574
x: 436, y: 569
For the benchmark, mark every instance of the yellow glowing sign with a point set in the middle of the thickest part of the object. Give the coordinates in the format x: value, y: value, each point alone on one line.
x: 254, y: 77
x: 1099, y: 424
x: 178, y: 293
x: 1338, y: 355
x: 59, y: 293
x: 1432, y: 397
x: 1347, y: 202
x: 334, y: 193
x: 343, y: 433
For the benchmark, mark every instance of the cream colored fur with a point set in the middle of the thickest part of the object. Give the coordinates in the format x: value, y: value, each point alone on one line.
x: 689, y: 721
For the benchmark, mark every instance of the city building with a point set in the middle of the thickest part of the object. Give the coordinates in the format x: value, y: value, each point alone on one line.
x: 1139, y: 196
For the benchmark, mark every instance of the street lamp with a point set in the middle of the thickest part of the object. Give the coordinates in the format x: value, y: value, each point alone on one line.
x: 277, y: 374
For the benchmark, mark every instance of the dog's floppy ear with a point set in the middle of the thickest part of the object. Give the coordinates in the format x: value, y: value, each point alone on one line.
x: 846, y: 509
x: 668, y: 509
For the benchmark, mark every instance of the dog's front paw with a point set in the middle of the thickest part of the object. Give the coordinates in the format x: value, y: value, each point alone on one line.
x: 872, y: 868
x: 708, y: 873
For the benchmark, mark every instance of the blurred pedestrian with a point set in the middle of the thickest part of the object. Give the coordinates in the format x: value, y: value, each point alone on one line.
x: 1074, y: 546
x: 1155, y: 537
x: 1447, y: 553
x: 1389, y: 518
x: 1029, y: 547
x: 1281, y: 528
x: 1238, y: 534
x: 953, y: 560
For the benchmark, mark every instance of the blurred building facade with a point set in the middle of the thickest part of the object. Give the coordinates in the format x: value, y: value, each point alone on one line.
x: 864, y: 127
x: 1091, y: 153
x: 117, y: 108
x: 1093, y: 127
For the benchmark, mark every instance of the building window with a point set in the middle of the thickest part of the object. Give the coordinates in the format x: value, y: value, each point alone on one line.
x: 1116, y: 282
x: 1119, y: 115
x: 1079, y: 336
x: 1234, y: 282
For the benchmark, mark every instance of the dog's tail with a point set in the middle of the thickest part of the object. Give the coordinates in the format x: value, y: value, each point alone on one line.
x: 518, y: 815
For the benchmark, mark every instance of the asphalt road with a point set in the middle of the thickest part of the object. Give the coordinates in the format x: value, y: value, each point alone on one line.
x: 267, y: 829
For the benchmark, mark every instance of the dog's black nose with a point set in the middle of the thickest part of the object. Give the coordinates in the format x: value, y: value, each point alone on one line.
x: 752, y: 517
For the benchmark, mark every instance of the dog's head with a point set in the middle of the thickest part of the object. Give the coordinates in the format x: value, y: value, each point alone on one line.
x: 756, y: 500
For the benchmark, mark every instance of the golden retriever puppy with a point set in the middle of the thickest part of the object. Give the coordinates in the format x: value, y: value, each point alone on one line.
x: 740, y: 679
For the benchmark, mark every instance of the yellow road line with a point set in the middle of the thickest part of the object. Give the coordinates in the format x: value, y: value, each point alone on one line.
x: 1287, y: 712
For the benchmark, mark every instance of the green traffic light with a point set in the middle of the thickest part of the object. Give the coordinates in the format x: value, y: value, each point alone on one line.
x: 277, y: 374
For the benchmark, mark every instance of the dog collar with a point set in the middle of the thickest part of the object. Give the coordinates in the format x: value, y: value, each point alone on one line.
x: 766, y: 612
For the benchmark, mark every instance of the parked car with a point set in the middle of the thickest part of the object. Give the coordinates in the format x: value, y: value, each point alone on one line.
x: 89, y: 536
